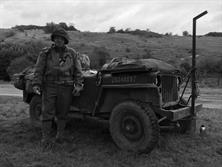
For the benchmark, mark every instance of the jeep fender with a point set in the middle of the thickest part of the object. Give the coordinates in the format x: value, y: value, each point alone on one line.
x: 112, y: 95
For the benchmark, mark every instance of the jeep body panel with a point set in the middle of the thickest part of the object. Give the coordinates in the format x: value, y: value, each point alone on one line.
x: 87, y: 100
x: 112, y: 95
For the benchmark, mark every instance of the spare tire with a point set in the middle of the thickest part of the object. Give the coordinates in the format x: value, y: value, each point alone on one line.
x: 134, y: 127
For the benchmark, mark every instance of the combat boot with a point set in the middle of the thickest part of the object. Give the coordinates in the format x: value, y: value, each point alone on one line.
x: 46, y: 140
x: 60, y: 135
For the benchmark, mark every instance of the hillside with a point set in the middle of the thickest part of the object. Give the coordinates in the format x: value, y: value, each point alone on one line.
x: 172, y: 49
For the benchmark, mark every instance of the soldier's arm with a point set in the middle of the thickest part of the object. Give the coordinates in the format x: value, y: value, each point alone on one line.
x: 39, y: 69
x: 78, y: 75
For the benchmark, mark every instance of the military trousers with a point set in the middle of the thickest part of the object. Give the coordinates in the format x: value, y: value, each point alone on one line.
x: 56, y: 101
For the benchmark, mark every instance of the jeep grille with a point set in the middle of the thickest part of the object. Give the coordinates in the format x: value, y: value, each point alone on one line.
x: 169, y: 88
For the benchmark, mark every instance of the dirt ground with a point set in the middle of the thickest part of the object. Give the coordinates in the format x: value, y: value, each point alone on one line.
x: 7, y: 89
x: 209, y: 97
x: 91, y: 145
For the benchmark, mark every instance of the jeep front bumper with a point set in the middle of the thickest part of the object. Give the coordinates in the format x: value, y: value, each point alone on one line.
x: 180, y: 113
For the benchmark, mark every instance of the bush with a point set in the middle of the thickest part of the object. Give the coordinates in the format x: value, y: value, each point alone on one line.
x: 26, y: 27
x: 50, y: 27
x: 214, y: 34
x: 9, y: 33
x: 148, y: 53
x: 7, y: 53
x: 185, y: 33
x: 23, y: 54
x: 209, y: 65
x: 142, y: 33
x: 112, y: 30
x: 185, y: 66
x: 99, y: 57
x: 18, y: 65
x: 169, y: 34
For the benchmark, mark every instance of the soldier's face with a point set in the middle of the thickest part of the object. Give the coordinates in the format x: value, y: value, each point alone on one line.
x: 59, y: 41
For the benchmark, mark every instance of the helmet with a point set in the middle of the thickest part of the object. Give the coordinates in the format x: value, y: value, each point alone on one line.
x: 62, y: 33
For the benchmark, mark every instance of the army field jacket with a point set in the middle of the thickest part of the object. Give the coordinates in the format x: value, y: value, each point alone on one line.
x: 56, y: 65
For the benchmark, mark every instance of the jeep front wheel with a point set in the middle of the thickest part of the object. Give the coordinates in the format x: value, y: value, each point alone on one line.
x: 134, y: 127
x: 35, y: 110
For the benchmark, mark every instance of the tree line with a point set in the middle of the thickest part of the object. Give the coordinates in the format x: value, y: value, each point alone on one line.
x: 144, y: 33
x: 48, y: 28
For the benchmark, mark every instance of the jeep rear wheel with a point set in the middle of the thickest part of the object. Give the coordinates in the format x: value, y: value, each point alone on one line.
x: 35, y: 110
x: 134, y: 127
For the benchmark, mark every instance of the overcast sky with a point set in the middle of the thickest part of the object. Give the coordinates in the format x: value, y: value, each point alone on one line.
x: 99, y: 15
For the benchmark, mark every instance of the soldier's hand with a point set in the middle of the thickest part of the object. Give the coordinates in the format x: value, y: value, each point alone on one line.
x: 37, y: 90
x: 76, y: 90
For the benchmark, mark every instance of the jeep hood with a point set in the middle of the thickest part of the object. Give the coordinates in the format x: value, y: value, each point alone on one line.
x: 130, y: 65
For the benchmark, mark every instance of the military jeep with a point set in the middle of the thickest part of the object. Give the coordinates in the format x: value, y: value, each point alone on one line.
x: 136, y: 97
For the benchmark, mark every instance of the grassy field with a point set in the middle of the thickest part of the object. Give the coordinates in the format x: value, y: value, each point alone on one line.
x: 20, y: 49
x: 92, y: 145
x: 117, y: 44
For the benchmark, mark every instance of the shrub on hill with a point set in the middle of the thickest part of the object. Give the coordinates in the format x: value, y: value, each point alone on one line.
x: 210, y: 65
x: 99, y: 57
x: 6, y: 33
x: 32, y: 51
x: 16, y: 57
x: 27, y: 27
x: 169, y: 34
x: 209, y: 71
x: 7, y: 53
x: 185, y: 67
x: 205, y: 66
x: 112, y: 30
x: 48, y: 28
x: 214, y: 34
x: 186, y: 33
x: 143, y: 33
x: 19, y: 64
x: 9, y: 33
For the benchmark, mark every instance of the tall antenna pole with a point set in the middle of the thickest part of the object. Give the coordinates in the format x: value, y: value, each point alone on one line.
x: 193, y: 77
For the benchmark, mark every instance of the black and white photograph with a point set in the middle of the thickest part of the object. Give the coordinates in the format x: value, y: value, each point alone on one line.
x: 110, y: 83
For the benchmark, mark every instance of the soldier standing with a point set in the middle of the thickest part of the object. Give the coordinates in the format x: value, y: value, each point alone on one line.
x: 58, y: 76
